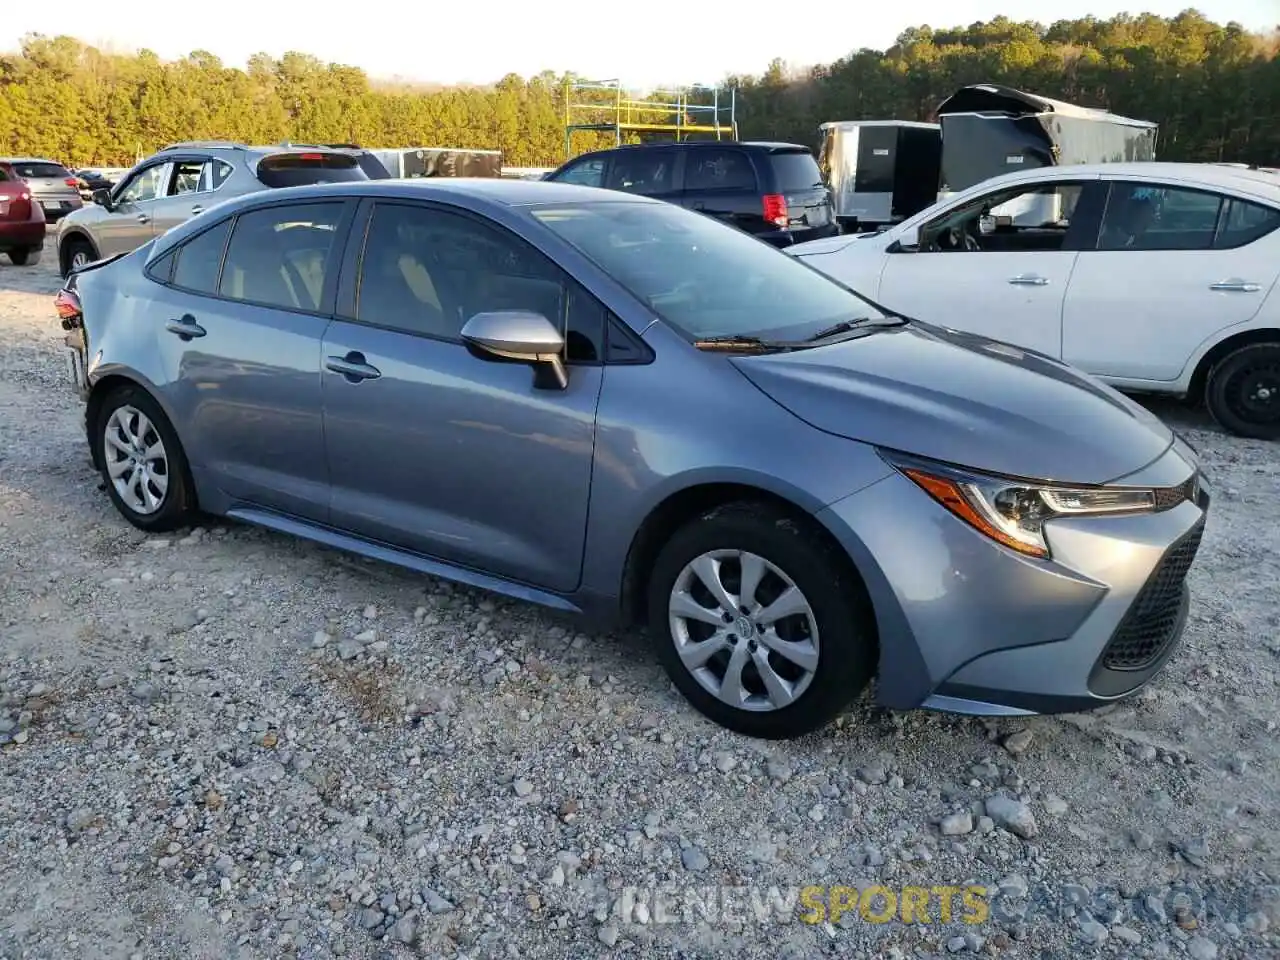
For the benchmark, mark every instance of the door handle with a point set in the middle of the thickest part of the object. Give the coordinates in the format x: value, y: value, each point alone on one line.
x: 353, y: 367
x: 197, y: 209
x: 1237, y: 286
x: 186, y: 328
x: 1029, y: 280
x: 143, y: 218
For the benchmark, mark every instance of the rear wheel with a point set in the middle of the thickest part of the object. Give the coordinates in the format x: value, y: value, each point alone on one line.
x: 1243, y: 391
x: 759, y: 623
x: 25, y: 256
x: 143, y: 466
x: 76, y: 254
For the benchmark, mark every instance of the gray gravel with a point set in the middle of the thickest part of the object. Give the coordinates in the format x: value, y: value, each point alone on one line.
x: 227, y: 743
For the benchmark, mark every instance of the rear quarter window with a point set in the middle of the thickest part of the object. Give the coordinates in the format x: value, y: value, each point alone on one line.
x: 795, y: 171
x: 302, y: 169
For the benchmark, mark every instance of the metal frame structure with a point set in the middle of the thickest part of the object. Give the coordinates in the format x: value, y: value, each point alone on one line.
x: 622, y: 113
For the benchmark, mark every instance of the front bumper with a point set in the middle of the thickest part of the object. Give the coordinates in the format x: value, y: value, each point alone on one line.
x: 968, y: 626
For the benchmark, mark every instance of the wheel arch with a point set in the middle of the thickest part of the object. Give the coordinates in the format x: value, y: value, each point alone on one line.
x: 64, y: 243
x: 1245, y: 338
x: 106, y: 384
x: 689, y: 502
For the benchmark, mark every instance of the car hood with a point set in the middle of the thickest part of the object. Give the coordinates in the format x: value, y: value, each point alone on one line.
x: 965, y: 400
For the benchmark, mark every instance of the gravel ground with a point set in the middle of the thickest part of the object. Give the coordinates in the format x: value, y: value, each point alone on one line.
x: 230, y: 743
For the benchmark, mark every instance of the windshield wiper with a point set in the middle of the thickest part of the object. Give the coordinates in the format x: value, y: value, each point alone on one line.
x: 860, y: 323
x: 740, y: 343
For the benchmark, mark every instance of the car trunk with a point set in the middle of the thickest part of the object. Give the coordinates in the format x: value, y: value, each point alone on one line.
x: 52, y: 186
x: 800, y: 182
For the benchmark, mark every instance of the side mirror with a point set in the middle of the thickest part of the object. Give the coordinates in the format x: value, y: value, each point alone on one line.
x: 102, y: 198
x: 522, y: 336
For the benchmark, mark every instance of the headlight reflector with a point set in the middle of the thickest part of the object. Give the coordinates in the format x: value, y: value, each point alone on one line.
x: 1014, y: 512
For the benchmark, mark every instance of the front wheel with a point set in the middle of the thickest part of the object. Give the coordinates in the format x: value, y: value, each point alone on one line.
x: 76, y: 254
x: 142, y: 463
x: 1243, y: 391
x: 759, y: 623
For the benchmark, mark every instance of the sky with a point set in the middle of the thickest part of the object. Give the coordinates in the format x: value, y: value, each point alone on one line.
x: 481, y: 40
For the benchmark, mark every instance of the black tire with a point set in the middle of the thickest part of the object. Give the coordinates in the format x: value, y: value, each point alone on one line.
x: 25, y: 256
x: 177, y: 504
x: 76, y: 245
x: 847, y: 647
x: 1242, y: 391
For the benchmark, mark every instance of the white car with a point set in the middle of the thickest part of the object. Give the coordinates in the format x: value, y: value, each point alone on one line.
x: 1154, y: 277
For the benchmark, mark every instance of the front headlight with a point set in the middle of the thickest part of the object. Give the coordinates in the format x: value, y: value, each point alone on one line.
x: 1014, y: 512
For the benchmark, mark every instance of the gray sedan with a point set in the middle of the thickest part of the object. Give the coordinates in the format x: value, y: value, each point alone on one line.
x: 613, y: 406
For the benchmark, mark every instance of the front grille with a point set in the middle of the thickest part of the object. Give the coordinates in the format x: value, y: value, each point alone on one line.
x: 1169, y: 497
x: 1149, y: 625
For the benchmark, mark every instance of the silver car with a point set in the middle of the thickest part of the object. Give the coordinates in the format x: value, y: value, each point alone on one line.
x: 52, y: 185
x: 613, y: 406
x: 180, y: 182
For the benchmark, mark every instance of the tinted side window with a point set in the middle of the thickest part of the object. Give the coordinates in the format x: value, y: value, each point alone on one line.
x: 588, y: 173
x: 426, y: 271
x: 1143, y: 217
x: 186, y: 177
x: 200, y: 258
x: 643, y: 172
x: 719, y: 170
x: 1244, y: 223
x: 278, y: 255
x: 219, y: 172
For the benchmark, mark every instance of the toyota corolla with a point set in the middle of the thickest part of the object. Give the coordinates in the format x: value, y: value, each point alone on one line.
x: 612, y: 406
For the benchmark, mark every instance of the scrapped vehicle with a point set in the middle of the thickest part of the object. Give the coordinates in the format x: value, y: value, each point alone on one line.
x: 1163, y: 278
x: 182, y: 180
x: 51, y: 184
x: 614, y: 406
x: 989, y: 130
x: 773, y: 191
x: 880, y: 171
x: 22, y: 223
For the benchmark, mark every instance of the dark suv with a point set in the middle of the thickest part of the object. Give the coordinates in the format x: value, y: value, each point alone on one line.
x: 772, y: 190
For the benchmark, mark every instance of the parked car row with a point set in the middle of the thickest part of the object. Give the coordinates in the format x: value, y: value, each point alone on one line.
x: 620, y: 407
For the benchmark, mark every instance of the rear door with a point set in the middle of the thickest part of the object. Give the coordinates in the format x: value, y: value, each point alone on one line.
x: 722, y: 183
x: 1173, y: 267
x: 239, y: 322
x: 188, y: 190
x: 797, y: 178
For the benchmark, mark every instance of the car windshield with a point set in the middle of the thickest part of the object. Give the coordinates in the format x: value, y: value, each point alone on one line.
x: 705, y: 278
x: 35, y: 170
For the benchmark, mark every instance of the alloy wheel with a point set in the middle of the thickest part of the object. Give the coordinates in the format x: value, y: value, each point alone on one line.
x: 137, y: 464
x: 744, y: 630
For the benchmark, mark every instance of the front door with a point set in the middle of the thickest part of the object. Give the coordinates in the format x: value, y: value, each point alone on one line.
x: 242, y: 353
x: 433, y: 449
x: 129, y: 225
x: 1172, y: 268
x: 983, y: 273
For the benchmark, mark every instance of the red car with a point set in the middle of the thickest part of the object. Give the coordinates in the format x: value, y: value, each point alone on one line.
x: 22, y: 222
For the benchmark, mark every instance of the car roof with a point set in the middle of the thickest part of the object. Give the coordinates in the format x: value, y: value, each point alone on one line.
x: 765, y: 145
x: 493, y: 190
x: 29, y: 160
x: 1258, y: 183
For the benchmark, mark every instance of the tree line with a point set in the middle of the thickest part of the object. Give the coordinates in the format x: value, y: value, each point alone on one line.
x: 1213, y: 88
